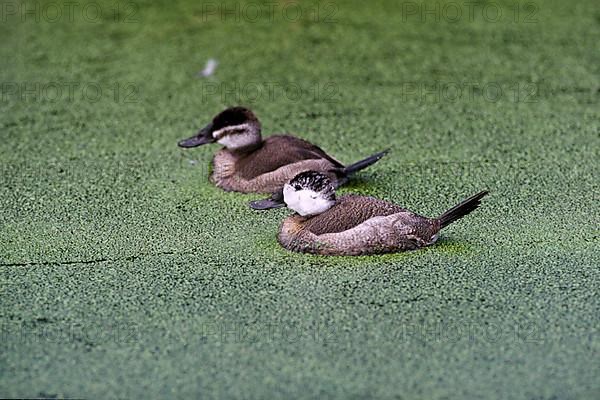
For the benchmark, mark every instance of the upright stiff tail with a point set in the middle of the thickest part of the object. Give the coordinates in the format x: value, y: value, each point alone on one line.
x: 461, y: 209
x: 362, y: 164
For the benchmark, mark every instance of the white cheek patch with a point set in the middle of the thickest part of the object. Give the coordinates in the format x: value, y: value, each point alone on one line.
x: 305, y: 202
x: 229, y: 129
x: 236, y: 140
x: 234, y: 137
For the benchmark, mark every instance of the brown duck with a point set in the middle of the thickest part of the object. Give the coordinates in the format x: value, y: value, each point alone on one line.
x: 356, y: 225
x: 250, y: 164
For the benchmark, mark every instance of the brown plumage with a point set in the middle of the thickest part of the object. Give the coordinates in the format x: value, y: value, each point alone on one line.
x: 269, y: 156
x: 250, y: 164
x: 360, y: 225
x: 269, y: 166
x: 349, y: 211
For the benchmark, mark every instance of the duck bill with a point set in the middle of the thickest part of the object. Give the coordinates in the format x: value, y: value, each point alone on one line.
x: 204, y: 136
x: 275, y: 201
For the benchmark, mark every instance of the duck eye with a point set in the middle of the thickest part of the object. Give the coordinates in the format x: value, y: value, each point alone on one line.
x: 297, y: 187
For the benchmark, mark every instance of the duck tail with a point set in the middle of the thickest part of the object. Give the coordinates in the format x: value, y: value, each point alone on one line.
x: 461, y: 209
x: 362, y: 164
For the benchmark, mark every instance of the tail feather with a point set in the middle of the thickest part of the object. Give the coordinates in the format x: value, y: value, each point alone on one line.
x: 362, y: 164
x: 461, y: 209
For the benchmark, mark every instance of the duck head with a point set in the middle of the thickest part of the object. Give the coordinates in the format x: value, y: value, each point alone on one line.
x: 309, y: 193
x: 235, y: 128
x: 311, y: 188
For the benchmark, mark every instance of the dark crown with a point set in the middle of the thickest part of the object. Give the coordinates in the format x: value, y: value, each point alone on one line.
x: 315, y: 181
x: 234, y: 116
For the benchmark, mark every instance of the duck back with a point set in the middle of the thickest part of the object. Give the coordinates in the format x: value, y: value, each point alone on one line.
x: 277, y: 151
x: 350, y: 211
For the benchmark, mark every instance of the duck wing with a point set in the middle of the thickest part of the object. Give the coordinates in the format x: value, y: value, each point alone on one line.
x: 349, y: 212
x: 279, y: 150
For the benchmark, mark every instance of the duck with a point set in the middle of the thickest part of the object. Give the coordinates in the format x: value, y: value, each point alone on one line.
x: 247, y: 163
x: 352, y: 225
